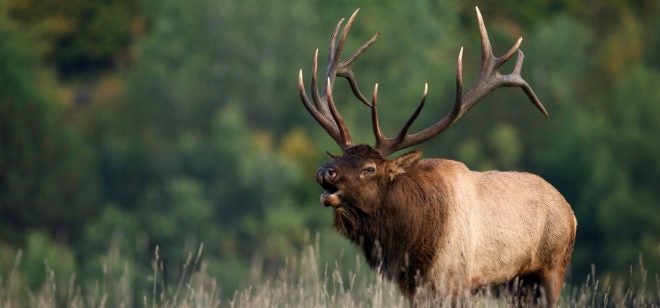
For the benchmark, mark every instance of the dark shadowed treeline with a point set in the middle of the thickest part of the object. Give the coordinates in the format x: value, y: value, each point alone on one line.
x: 128, y: 126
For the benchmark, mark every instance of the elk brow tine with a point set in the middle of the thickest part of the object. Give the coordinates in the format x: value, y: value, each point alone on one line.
x: 341, y: 125
x: 413, y: 117
x: 486, y: 49
x: 327, y: 125
x: 374, y: 116
x: 505, y: 57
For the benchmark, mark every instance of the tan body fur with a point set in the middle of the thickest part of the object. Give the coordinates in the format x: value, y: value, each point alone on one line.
x: 498, y: 225
x: 435, y: 224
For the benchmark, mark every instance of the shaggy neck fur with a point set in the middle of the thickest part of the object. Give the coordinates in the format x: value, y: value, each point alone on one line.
x: 400, y: 238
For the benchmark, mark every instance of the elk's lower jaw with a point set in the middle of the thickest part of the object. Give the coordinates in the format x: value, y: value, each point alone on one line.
x: 331, y: 198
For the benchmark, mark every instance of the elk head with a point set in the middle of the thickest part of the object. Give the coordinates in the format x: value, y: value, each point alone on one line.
x: 357, y: 178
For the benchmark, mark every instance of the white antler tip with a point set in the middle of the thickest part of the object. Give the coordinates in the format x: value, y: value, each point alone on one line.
x: 426, y: 88
x: 300, y: 74
x: 460, y: 56
x: 479, y: 18
x: 354, y: 14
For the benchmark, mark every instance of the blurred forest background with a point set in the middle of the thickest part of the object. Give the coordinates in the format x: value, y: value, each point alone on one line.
x: 128, y: 125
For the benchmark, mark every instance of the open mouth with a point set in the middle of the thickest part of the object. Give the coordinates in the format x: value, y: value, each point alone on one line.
x: 331, y: 196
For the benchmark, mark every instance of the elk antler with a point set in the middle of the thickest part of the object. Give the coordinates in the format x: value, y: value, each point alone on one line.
x: 488, y: 79
x: 323, y: 109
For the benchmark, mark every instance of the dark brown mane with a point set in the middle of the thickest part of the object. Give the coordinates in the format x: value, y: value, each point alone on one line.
x: 401, y: 237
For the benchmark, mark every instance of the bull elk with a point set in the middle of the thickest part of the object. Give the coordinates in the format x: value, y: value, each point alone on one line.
x: 434, y: 224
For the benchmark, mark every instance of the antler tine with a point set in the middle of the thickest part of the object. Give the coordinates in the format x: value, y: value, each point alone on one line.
x: 313, y: 85
x: 343, y: 130
x: 344, y: 33
x: 486, y: 49
x: 520, y: 56
x: 344, y: 69
x: 332, y: 52
x: 374, y: 117
x: 350, y: 77
x: 505, y: 57
x: 336, y: 68
x: 404, y: 130
x: 360, y: 51
x: 337, y: 47
x: 459, y: 79
x: 329, y: 127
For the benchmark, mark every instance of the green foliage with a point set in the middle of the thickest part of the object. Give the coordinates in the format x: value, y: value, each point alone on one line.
x: 79, y: 35
x: 47, y: 180
x: 43, y: 258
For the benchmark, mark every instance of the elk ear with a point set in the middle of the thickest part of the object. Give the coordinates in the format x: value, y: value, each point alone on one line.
x: 404, y: 162
x: 333, y: 156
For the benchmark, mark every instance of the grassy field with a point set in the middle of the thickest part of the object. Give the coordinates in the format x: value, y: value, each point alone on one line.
x: 304, y: 281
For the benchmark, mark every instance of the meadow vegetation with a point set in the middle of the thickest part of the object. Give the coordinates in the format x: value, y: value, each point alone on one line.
x: 305, y: 280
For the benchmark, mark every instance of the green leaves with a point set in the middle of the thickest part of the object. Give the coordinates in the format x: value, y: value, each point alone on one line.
x: 47, y: 178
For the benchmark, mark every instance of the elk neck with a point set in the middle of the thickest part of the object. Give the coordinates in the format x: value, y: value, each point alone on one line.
x: 400, y: 237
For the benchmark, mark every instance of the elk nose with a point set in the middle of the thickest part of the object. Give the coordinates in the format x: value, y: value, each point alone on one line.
x: 331, y: 173
x: 326, y: 174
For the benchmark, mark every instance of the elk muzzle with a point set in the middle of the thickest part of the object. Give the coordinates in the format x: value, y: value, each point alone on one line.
x: 327, y: 177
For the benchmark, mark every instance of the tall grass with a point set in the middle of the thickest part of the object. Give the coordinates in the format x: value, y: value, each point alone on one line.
x: 304, y: 281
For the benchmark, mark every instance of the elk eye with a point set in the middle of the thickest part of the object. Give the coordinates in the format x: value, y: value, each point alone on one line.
x: 369, y: 170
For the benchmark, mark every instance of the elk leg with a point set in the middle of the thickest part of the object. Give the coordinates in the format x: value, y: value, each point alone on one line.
x: 526, y: 289
x: 551, y: 281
